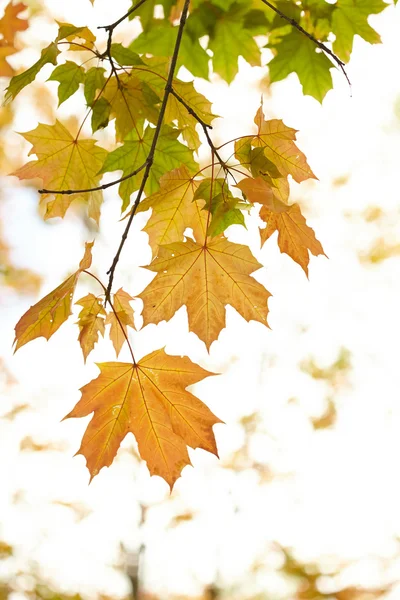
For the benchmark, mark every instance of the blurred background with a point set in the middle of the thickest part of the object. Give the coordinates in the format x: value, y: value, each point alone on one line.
x: 304, y: 503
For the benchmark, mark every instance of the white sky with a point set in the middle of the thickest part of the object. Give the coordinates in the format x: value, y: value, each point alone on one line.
x: 335, y: 494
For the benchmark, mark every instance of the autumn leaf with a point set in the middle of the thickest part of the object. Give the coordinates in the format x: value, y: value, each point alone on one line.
x: 44, y: 318
x: 174, y: 209
x: 205, y: 278
x: 5, y: 69
x: 64, y: 163
x: 11, y: 23
x: 69, y: 75
x: 259, y: 190
x: 91, y: 322
x: 295, y: 237
x: 120, y: 319
x: 277, y: 141
x: 149, y: 399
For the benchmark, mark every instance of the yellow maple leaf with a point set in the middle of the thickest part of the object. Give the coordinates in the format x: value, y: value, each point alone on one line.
x: 205, y: 278
x: 173, y: 210
x: 64, y: 162
x: 91, y: 322
x: 295, y: 237
x: 277, y: 141
x: 149, y: 399
x: 132, y: 101
x: 46, y: 316
x: 120, y: 319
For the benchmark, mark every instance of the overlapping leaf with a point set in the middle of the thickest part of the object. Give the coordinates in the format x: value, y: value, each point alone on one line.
x: 44, y: 318
x: 63, y: 163
x: 205, y: 278
x: 120, y: 319
x: 91, y: 322
x: 149, y: 399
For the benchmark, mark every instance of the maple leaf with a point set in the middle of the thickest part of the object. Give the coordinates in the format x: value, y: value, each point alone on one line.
x: 223, y: 207
x: 277, y: 141
x: 69, y: 75
x: 132, y: 101
x: 5, y: 69
x: 295, y: 237
x: 296, y: 53
x: 11, y: 23
x: 46, y: 316
x: 174, y: 209
x: 64, y: 163
x: 120, y: 319
x: 205, y: 278
x: 149, y: 399
x: 91, y: 322
x: 259, y: 190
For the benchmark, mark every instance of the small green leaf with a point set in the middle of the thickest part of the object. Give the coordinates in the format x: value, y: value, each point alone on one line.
x: 100, y: 114
x: 125, y: 56
x: 19, y: 82
x: 69, y: 75
x: 94, y: 80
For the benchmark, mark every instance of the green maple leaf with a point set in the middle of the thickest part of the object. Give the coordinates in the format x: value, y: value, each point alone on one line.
x: 350, y: 18
x: 170, y: 154
x: 69, y: 76
x: 296, y: 53
x: 17, y: 83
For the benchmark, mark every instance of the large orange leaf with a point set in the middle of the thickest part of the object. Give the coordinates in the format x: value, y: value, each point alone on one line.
x: 205, y: 278
x: 295, y: 237
x: 120, y: 319
x: 150, y: 400
x: 173, y: 210
x: 44, y: 318
x: 64, y: 163
x: 91, y: 322
x: 277, y: 141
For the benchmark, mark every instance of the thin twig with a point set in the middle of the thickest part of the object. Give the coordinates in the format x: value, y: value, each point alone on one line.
x: 310, y: 37
x: 125, y: 16
x: 150, y: 157
x: 115, y: 313
x: 99, y: 187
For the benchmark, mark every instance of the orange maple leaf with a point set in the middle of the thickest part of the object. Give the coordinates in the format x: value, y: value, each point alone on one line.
x: 277, y: 141
x: 46, y: 316
x: 64, y: 163
x: 91, y: 322
x: 295, y: 237
x: 259, y: 190
x: 173, y: 210
x: 205, y: 278
x: 10, y: 23
x: 149, y: 399
x: 120, y: 319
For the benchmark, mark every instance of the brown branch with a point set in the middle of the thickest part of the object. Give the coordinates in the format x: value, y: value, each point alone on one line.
x: 310, y: 37
x: 99, y: 187
x: 150, y: 157
x: 125, y: 16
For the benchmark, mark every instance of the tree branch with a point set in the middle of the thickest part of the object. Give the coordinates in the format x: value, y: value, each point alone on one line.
x: 150, y: 157
x: 125, y: 16
x: 310, y: 37
x: 99, y: 187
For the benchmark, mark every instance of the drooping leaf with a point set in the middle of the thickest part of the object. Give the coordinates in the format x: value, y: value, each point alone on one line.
x: 259, y: 190
x: 125, y: 56
x: 295, y: 237
x: 94, y: 80
x: 100, y: 114
x: 69, y: 75
x: 277, y: 140
x: 121, y: 319
x: 204, y: 278
x: 150, y: 400
x: 18, y: 82
x: 224, y: 208
x: 47, y: 315
x: 174, y: 209
x: 91, y: 322
x: 297, y: 53
x: 64, y: 163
